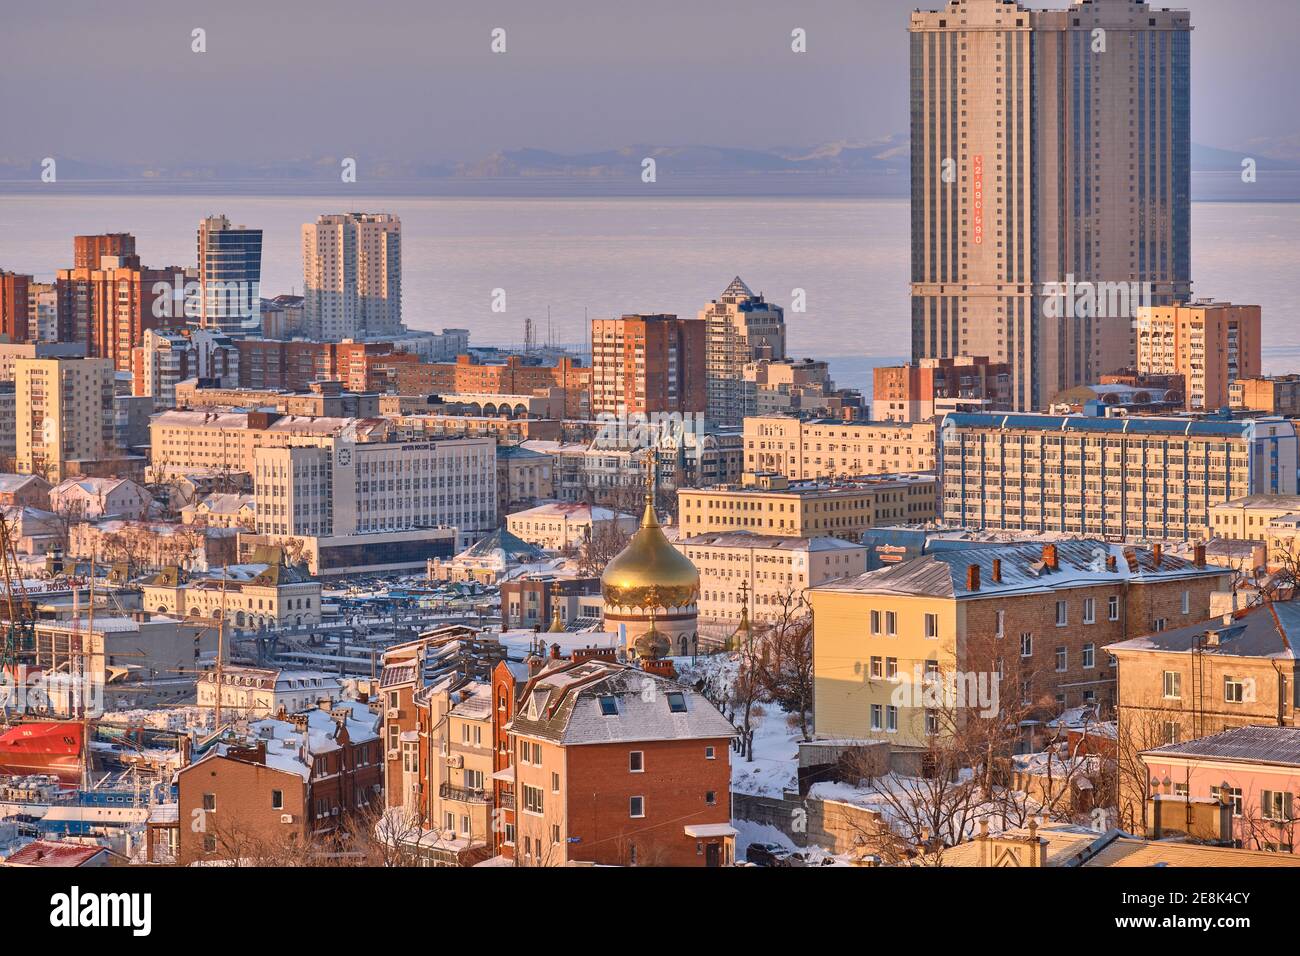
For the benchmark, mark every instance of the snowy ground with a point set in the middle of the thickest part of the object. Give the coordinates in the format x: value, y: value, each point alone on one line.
x: 776, y: 743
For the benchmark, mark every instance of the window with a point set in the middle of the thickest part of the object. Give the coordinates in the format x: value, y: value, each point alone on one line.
x: 636, y: 806
x: 532, y: 799
x: 1062, y: 614
x: 1187, y: 602
x: 876, y: 713
x: 555, y: 781
x: 1275, y: 805
x: 891, y: 623
x: 1158, y: 625
x: 875, y: 622
x: 277, y: 799
x: 677, y: 702
x: 1089, y: 610
x: 877, y: 667
x: 711, y: 798
x: 636, y: 762
x: 555, y: 833
x: 1089, y: 656
x: 209, y: 843
x: 891, y: 668
x: 1180, y: 790
x: 210, y: 802
x: 1062, y: 658
x: 931, y: 722
x: 1232, y: 795
x: 473, y: 779
x: 891, y: 718
x: 932, y: 625
x: 1234, y: 691
x: 1173, y: 685
x: 709, y: 753
x: 1112, y: 608
x: 608, y: 706
x: 1171, y: 731
x: 1026, y: 645
x: 1000, y: 627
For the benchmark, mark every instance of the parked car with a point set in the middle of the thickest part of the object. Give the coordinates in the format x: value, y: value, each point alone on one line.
x: 768, y: 854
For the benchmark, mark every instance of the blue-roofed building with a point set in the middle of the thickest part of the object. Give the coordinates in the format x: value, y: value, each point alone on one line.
x: 1111, y: 477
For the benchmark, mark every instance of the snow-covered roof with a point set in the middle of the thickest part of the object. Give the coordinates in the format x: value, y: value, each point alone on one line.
x: 1270, y: 745
x: 598, y: 702
x: 748, y: 539
x: 1265, y: 630
x: 1022, y: 569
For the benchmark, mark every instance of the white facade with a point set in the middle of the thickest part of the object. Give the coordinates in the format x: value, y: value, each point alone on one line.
x: 352, y: 276
x: 341, y: 488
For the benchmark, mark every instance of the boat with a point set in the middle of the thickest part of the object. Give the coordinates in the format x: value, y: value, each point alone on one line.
x: 47, y: 747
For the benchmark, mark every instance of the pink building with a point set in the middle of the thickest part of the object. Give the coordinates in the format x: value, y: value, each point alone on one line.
x: 1255, y: 770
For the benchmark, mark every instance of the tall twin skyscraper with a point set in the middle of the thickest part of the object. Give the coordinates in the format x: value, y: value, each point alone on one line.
x: 1051, y: 154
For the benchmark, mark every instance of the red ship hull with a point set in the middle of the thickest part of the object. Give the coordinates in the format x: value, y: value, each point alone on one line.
x: 47, y: 748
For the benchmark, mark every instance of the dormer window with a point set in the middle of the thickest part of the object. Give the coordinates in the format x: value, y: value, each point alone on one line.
x: 677, y: 702
x: 608, y: 706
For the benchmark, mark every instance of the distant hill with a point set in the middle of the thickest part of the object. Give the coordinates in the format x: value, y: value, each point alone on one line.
x: 878, y: 168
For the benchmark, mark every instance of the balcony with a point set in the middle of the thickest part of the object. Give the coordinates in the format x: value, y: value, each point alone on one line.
x: 463, y: 794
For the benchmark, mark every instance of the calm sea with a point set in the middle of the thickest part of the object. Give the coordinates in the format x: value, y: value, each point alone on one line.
x: 580, y: 258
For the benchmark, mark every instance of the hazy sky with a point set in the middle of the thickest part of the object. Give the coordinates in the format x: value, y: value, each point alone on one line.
x: 415, y: 80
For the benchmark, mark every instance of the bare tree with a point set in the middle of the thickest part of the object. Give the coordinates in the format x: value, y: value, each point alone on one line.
x: 785, y: 661
x: 601, y: 546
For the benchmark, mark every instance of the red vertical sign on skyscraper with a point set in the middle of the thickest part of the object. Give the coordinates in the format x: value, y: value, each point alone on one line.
x: 977, y: 219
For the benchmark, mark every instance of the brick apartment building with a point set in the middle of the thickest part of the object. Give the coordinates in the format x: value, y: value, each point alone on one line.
x: 284, y: 783
x: 295, y: 365
x: 552, y: 761
x: 647, y: 364
x: 468, y: 376
x: 1037, y: 615
x: 620, y: 767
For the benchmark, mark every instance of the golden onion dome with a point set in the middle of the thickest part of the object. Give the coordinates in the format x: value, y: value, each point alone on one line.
x: 650, y: 572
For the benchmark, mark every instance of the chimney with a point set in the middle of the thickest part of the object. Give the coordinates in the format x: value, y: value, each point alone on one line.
x: 555, y: 652
x: 972, y: 577
x: 1111, y: 564
x: 1049, y: 556
x: 534, y: 665
x: 997, y: 570
x: 1198, y: 555
x: 1157, y: 553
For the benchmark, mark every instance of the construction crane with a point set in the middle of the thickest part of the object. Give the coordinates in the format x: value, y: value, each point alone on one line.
x: 17, y: 633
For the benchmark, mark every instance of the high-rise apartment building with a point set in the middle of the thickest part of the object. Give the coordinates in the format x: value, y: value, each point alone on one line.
x: 740, y: 328
x: 352, y: 276
x: 64, y: 411
x: 229, y: 277
x: 1121, y: 477
x: 88, y: 250
x: 15, y: 306
x: 1210, y: 344
x: 1050, y: 183
x: 109, y: 306
x: 42, y: 312
x: 647, y: 364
